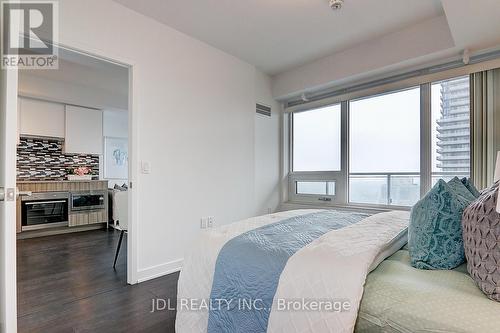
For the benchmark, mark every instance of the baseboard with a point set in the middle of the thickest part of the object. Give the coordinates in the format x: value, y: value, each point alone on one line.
x: 159, y: 270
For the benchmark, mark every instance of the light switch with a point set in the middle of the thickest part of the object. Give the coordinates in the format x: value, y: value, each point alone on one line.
x: 146, y: 167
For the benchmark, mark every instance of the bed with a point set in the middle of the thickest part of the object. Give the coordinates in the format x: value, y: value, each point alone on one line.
x: 400, y: 298
x: 266, y: 258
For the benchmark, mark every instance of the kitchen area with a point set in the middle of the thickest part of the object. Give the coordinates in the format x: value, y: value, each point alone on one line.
x: 59, y: 206
x: 58, y: 161
x: 72, y: 151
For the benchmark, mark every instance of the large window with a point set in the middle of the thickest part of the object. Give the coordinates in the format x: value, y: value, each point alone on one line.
x: 384, y: 141
x: 316, y: 140
x: 378, y: 159
x: 450, y: 129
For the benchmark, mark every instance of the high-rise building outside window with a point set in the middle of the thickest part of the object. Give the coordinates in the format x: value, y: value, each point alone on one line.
x: 451, y: 129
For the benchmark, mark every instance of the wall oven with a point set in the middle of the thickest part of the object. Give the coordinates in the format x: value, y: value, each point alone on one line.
x: 88, y: 200
x: 44, y: 210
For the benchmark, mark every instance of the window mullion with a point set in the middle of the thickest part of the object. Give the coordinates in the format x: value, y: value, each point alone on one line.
x: 425, y: 139
x: 344, y: 139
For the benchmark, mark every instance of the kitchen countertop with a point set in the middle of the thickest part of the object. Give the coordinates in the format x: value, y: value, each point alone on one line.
x: 58, y: 181
x: 62, y: 185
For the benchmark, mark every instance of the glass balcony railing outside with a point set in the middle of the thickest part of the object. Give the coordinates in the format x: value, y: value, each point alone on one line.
x: 392, y: 189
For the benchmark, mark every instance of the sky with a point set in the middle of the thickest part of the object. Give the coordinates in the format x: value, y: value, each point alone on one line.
x: 384, y: 135
x: 319, y: 129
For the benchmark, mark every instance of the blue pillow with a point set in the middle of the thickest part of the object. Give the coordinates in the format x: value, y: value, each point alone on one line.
x: 435, y: 230
x: 460, y: 189
x: 467, y: 182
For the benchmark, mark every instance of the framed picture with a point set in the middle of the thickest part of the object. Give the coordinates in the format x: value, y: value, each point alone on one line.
x: 115, y: 158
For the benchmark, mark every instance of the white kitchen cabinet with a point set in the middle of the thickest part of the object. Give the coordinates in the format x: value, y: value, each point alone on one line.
x: 83, y: 130
x: 40, y: 118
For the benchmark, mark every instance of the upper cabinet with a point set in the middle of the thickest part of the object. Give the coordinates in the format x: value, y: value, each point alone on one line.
x: 83, y: 130
x: 80, y: 127
x: 39, y: 118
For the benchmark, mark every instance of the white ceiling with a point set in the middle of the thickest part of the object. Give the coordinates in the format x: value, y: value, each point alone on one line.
x: 276, y: 35
x: 81, y: 80
x: 475, y: 24
x: 80, y: 69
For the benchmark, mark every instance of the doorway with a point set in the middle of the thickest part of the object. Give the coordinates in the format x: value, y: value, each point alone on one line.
x: 60, y: 207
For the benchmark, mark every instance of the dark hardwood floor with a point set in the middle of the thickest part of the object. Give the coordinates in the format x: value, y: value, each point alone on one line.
x: 66, y: 283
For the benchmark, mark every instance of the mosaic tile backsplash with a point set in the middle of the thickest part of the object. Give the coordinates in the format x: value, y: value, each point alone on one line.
x: 43, y: 159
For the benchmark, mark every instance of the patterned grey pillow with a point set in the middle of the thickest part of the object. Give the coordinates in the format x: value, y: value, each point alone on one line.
x: 481, y: 233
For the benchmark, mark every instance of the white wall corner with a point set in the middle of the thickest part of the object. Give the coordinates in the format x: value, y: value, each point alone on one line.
x: 267, y: 148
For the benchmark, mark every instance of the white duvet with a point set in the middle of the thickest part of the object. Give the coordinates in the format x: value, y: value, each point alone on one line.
x: 332, y: 267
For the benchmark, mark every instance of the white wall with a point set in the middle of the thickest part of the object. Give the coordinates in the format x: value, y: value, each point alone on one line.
x: 419, y: 44
x: 69, y: 93
x: 267, y: 148
x: 115, y: 124
x: 194, y: 111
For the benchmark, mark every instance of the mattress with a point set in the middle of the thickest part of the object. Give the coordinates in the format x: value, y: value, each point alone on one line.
x: 400, y: 298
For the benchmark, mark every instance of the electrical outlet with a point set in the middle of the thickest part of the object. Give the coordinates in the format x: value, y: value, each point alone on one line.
x: 269, y: 210
x: 207, y: 222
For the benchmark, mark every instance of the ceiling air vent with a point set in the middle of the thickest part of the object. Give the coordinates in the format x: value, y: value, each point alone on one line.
x: 263, y: 110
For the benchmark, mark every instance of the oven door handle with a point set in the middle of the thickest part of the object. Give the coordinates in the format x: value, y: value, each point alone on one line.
x: 24, y: 194
x: 44, y: 202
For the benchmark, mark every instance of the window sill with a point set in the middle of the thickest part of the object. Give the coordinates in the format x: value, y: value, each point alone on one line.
x: 290, y: 205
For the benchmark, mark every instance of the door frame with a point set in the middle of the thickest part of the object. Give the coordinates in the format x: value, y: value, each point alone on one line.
x: 8, y: 251
x: 8, y: 239
x: 132, y: 276
x: 86, y: 50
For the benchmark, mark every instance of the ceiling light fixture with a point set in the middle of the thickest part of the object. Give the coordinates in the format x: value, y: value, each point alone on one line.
x: 336, y: 4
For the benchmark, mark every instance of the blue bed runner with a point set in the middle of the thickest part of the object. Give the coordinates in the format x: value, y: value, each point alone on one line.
x: 249, y: 266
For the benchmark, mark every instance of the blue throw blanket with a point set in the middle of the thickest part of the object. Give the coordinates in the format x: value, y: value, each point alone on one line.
x: 249, y: 266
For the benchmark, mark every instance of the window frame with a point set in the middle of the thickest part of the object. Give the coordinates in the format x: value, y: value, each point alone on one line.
x: 387, y: 174
x: 341, y: 178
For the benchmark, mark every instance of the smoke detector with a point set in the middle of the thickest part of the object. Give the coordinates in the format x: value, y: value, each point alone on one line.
x: 336, y: 4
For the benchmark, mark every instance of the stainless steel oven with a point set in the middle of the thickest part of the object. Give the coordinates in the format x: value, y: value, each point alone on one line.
x: 44, y: 210
x: 88, y: 200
